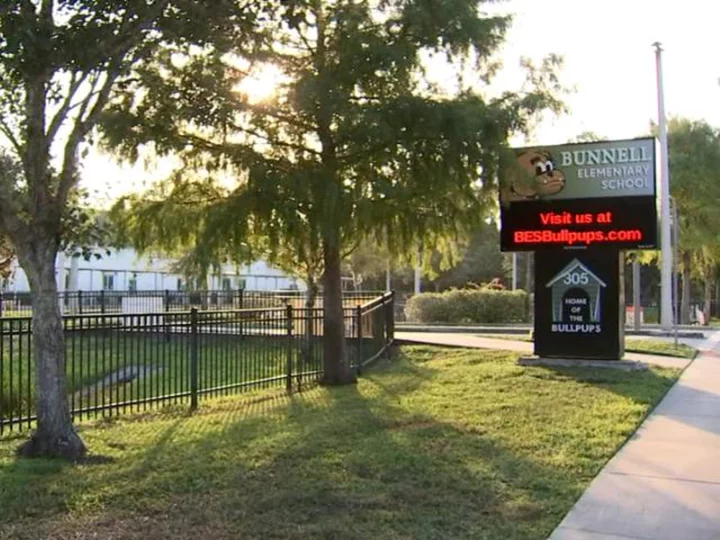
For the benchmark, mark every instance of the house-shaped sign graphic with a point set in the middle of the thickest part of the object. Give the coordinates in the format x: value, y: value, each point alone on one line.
x: 576, y: 294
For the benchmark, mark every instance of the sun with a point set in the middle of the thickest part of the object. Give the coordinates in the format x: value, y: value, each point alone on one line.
x: 261, y: 83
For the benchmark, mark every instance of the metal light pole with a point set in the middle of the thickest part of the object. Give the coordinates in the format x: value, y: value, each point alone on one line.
x: 418, y: 273
x: 514, y: 271
x: 666, y: 272
x: 637, y: 308
x: 676, y: 237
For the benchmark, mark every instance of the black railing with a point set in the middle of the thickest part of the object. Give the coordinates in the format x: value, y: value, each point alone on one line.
x: 118, y: 363
x: 19, y: 304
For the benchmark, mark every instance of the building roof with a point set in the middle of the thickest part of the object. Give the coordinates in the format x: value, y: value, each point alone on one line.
x: 571, y: 267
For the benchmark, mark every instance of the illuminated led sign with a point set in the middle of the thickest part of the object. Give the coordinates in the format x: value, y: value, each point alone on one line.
x: 580, y: 195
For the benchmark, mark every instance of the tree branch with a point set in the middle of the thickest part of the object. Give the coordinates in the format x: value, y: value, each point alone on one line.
x: 7, y: 131
x: 276, y: 142
x: 84, y: 123
x: 67, y: 105
x: 46, y: 11
x: 274, y: 113
x: 9, y: 210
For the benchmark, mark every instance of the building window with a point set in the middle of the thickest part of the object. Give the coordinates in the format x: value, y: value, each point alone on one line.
x: 108, y: 282
x: 132, y: 283
x: 226, y: 284
x: 242, y: 283
x: 180, y: 284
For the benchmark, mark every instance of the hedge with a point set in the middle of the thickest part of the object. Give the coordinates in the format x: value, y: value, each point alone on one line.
x: 462, y: 306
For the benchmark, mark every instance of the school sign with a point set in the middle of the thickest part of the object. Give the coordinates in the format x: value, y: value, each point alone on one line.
x: 578, y: 206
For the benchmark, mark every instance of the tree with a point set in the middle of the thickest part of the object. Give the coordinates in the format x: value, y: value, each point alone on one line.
x: 60, y: 63
x: 355, y: 143
x: 481, y: 260
x: 694, y: 160
x: 588, y: 137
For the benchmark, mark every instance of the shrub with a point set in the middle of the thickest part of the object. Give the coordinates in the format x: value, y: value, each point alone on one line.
x: 469, y: 306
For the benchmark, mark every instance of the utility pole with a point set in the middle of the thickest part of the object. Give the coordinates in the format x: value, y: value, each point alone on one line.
x: 666, y: 270
x: 676, y: 236
x: 637, y: 308
x: 418, y: 270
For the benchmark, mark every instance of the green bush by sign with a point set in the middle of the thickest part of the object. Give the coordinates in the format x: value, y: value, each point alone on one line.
x: 469, y: 306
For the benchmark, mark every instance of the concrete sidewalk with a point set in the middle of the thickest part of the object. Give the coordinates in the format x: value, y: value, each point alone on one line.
x: 523, y: 347
x: 665, y: 482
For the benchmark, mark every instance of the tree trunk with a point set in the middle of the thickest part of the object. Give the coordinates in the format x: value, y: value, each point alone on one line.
x: 55, y: 435
x: 335, y: 358
x: 529, y: 282
x: 686, y: 282
x: 707, y: 304
x: 529, y: 277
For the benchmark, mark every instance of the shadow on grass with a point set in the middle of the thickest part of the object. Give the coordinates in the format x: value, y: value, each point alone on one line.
x: 642, y: 387
x: 408, y: 453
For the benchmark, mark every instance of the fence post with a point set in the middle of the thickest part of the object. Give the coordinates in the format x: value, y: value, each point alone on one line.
x: 289, y: 329
x: 1, y: 303
x: 391, y: 318
x: 166, y: 300
x: 358, y: 315
x: 241, y: 297
x: 193, y: 359
x: 102, y: 302
x: 80, y: 302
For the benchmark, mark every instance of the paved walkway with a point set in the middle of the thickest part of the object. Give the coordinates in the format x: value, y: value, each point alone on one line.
x: 665, y: 482
x: 524, y: 347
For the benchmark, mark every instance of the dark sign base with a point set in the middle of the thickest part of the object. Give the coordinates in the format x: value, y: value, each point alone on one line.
x: 577, y: 304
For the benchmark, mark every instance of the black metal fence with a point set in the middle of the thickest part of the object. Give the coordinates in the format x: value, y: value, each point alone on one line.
x: 118, y: 363
x: 105, y: 302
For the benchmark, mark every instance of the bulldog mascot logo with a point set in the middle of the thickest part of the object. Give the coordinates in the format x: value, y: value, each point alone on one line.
x: 534, y: 177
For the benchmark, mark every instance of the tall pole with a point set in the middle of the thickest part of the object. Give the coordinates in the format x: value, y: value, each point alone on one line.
x: 418, y: 269
x: 514, y: 271
x: 637, y: 308
x: 60, y: 278
x: 676, y: 229
x: 388, y: 268
x: 666, y: 304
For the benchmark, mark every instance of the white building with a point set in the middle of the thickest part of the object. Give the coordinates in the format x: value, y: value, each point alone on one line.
x: 124, y: 270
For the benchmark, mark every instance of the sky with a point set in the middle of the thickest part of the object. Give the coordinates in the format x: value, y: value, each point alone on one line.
x: 609, y: 64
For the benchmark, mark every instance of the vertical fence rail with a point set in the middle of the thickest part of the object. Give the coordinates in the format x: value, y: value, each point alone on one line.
x: 359, y: 334
x: 194, y: 367
x: 290, y: 347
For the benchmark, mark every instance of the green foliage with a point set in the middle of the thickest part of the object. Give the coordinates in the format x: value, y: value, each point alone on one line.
x: 694, y: 159
x: 354, y: 144
x: 54, y: 88
x: 438, y: 443
x: 460, y: 306
x: 479, y: 260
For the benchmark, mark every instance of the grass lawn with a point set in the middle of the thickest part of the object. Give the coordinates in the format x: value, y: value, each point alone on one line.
x: 658, y: 346
x: 646, y: 346
x: 437, y: 443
